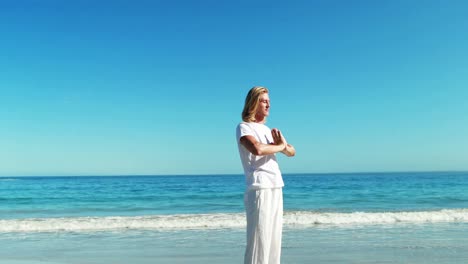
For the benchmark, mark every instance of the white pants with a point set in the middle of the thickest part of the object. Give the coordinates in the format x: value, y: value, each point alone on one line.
x: 264, y: 212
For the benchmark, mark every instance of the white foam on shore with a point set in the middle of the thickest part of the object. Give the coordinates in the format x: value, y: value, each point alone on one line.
x: 298, y: 219
x: 363, y: 218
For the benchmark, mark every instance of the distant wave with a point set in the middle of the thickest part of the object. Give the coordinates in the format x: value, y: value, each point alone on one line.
x: 295, y: 219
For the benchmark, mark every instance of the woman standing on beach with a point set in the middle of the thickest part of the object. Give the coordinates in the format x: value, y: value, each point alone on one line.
x: 263, y: 197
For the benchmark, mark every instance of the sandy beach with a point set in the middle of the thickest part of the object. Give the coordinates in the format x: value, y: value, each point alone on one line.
x: 418, y: 244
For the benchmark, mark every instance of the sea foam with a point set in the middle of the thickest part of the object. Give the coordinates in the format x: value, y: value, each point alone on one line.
x: 292, y: 219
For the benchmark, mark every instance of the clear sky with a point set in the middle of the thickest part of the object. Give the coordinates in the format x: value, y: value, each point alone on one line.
x: 157, y: 87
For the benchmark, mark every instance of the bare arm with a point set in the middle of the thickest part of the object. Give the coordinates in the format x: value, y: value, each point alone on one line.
x: 260, y: 149
x: 289, y: 151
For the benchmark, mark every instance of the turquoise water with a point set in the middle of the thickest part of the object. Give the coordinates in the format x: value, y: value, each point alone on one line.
x: 329, y: 218
x: 26, y: 197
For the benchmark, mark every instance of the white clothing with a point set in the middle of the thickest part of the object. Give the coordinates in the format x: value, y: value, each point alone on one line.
x: 260, y: 171
x: 264, y: 211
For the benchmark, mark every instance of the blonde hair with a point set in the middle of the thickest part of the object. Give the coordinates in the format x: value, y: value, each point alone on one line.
x: 251, y: 103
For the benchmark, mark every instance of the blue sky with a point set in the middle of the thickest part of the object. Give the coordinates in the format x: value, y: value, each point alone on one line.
x: 157, y: 87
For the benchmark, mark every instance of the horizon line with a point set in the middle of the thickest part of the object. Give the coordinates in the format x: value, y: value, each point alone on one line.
x: 237, y: 174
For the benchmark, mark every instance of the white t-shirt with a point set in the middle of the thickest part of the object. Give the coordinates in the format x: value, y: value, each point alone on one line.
x: 260, y: 171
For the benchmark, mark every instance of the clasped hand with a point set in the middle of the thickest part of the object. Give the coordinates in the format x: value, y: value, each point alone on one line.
x: 278, y: 138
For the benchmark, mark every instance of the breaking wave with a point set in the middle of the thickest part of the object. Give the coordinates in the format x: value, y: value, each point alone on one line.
x: 292, y: 219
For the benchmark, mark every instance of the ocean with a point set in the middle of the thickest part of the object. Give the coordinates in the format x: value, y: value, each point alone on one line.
x: 406, y: 217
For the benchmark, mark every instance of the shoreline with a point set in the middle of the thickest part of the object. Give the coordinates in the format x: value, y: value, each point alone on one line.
x: 426, y: 243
